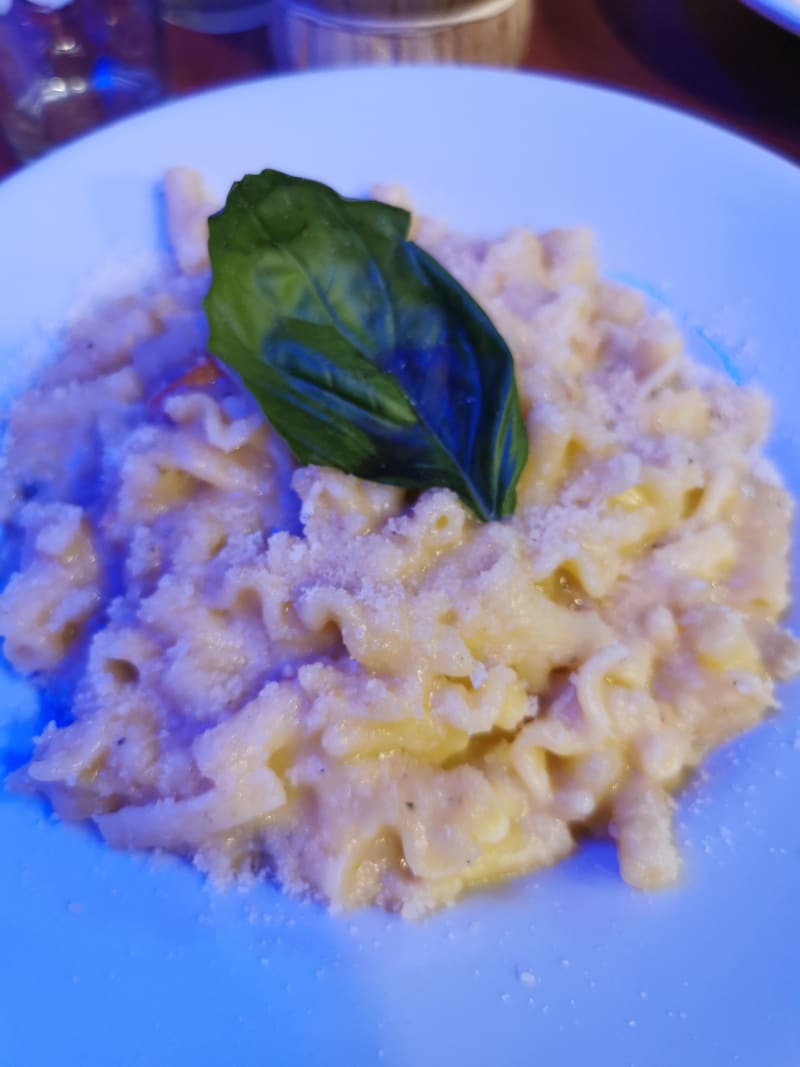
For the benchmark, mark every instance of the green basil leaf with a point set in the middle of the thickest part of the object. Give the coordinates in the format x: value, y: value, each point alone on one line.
x: 364, y: 353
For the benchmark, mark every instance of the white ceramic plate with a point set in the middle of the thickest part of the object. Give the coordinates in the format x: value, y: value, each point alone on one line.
x: 107, y: 960
x: 785, y: 12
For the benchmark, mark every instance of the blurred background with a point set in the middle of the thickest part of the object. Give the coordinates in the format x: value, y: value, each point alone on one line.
x: 69, y: 65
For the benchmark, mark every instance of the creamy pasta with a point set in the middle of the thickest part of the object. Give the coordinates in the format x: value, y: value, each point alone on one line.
x: 372, y: 697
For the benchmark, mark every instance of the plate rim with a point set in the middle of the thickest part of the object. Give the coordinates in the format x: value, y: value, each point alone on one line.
x: 783, y: 13
x: 622, y: 95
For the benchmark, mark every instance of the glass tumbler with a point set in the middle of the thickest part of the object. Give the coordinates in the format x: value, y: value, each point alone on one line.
x: 216, y: 16
x: 69, y: 65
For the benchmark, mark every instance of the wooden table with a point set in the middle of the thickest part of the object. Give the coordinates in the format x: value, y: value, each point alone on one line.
x: 712, y: 57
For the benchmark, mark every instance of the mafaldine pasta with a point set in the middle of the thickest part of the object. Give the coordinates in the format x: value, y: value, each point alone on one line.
x: 369, y: 695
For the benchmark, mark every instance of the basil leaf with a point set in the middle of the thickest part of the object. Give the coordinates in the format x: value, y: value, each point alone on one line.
x: 364, y: 353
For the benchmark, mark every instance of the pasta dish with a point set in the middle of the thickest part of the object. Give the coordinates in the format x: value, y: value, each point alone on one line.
x: 361, y: 690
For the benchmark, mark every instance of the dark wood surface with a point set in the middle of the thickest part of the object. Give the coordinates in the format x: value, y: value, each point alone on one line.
x: 712, y: 57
